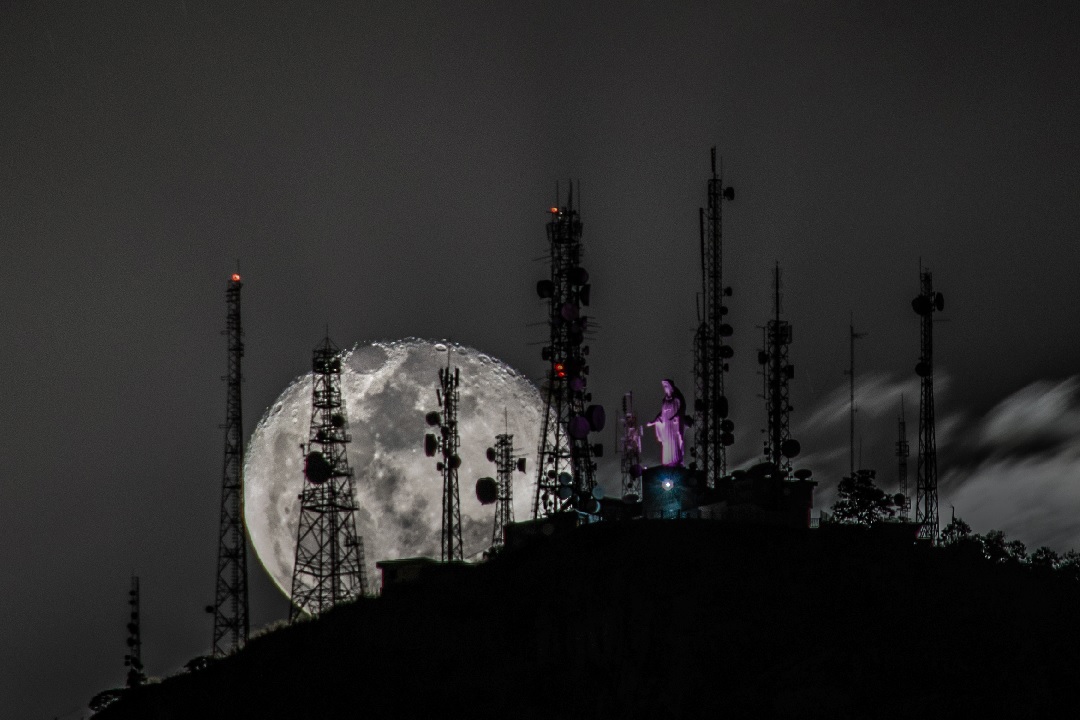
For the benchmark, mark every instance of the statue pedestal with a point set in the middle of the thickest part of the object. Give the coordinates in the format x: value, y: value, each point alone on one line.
x: 670, y: 492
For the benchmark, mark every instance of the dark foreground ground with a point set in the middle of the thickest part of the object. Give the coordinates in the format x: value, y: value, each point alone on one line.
x: 669, y: 619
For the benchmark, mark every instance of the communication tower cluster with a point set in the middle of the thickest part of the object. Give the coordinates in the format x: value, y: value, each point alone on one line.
x: 329, y: 564
x: 446, y: 445
x: 565, y: 466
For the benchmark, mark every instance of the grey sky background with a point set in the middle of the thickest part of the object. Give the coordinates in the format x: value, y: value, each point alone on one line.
x: 384, y: 168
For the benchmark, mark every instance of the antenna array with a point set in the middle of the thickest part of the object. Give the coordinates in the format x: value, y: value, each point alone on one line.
x: 714, y: 429
x: 329, y: 564
x: 565, y: 468
x: 926, y: 495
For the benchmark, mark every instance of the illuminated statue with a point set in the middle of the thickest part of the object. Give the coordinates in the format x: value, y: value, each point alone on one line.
x: 669, y: 425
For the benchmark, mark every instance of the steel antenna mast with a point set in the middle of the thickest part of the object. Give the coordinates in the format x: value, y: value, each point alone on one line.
x: 329, y: 562
x: 925, y: 304
x: 852, y: 337
x: 230, y: 608
x: 903, y: 450
x: 565, y: 465
x: 711, y: 353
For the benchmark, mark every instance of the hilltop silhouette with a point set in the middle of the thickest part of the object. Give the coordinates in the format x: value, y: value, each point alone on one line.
x: 668, y: 619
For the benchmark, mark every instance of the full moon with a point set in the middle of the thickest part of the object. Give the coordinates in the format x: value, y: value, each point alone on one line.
x: 387, y: 388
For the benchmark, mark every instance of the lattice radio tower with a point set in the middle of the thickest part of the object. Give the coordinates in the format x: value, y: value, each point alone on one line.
x: 630, y: 450
x: 445, y: 444
x: 329, y: 564
x: 780, y: 447
x: 926, y: 495
x: 133, y: 659
x: 230, y: 608
x: 903, y: 450
x: 565, y: 469
x: 852, y: 337
x: 505, y: 462
x: 714, y: 429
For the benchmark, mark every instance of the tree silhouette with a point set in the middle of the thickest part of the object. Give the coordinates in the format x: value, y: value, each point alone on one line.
x: 956, y: 532
x: 861, y: 502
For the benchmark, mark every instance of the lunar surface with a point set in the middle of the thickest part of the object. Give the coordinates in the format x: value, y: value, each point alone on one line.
x: 387, y: 388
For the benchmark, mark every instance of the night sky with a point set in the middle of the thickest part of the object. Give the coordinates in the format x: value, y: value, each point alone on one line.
x: 384, y: 169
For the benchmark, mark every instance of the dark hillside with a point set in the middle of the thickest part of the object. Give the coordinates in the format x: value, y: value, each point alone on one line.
x: 669, y: 619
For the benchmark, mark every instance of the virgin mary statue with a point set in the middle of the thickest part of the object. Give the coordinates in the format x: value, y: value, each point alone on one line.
x: 669, y: 425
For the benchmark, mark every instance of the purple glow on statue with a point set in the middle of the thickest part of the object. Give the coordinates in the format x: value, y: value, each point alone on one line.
x: 669, y: 425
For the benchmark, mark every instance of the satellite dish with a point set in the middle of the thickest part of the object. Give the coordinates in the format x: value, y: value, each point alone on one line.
x: 699, y: 405
x: 738, y: 474
x: 636, y: 470
x: 723, y: 309
x: 803, y: 473
x: 592, y: 506
x: 551, y: 474
x: 318, y: 365
x: 569, y: 311
x: 545, y: 289
x: 727, y: 352
x: 320, y: 436
x: 431, y: 444
x: 598, y: 450
x: 439, y: 466
x: 939, y: 301
x: 335, y: 365
x: 598, y: 492
x: 337, y: 420
x: 790, y: 448
x: 565, y: 492
x: 898, y: 499
x: 583, y: 294
x: 596, y: 417
x: 566, y: 478
x: 727, y: 439
x: 729, y: 193
x: 432, y: 418
x: 578, y: 427
x: 726, y: 426
x: 726, y: 330
x: 922, y: 305
x: 491, y: 454
x: 922, y: 369
x: 762, y: 357
x: 578, y: 276
x: 487, y: 490
x: 721, y: 407
x: 454, y: 462
x: 316, y: 467
x: 630, y: 498
x: 521, y: 465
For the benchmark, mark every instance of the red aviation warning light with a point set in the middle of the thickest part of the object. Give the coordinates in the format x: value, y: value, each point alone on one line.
x: 560, y: 370
x: 554, y: 210
x: 236, y: 277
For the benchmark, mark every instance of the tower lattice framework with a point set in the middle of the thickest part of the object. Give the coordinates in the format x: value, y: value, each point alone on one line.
x: 926, y: 478
x: 714, y: 431
x: 329, y: 562
x: 505, y: 462
x: 447, y: 445
x: 630, y: 449
x: 566, y: 470
x: 903, y: 450
x: 230, y: 607
x: 778, y: 371
x: 133, y: 659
